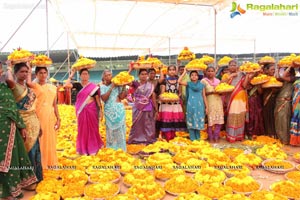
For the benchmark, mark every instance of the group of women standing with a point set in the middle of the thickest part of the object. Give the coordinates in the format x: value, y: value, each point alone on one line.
x: 29, y: 119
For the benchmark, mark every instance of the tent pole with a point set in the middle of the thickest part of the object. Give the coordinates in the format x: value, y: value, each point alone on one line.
x: 254, y: 50
x: 215, y: 36
x: 47, y: 28
x: 169, y: 51
x: 20, y: 25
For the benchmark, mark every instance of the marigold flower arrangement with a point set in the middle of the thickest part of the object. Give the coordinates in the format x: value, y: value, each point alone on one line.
x: 192, y: 165
x: 75, y: 177
x: 50, y: 174
x: 278, y: 164
x: 169, y: 96
x: 236, y: 168
x: 122, y: 78
x: 128, y: 167
x: 147, y: 190
x: 168, y: 171
x: 273, y: 82
x: 134, y: 148
x: 186, y: 54
x: 104, y: 176
x: 224, y: 87
x: 214, y: 190
x: 49, y: 185
x: 20, y: 55
x: 79, y: 198
x: 287, y: 61
x: 266, y: 60
x: 266, y: 195
x: 45, y: 195
x: 159, y: 159
x: 249, y: 67
x: 261, y: 78
x: 101, y: 190
x: 87, y: 161
x: 224, y: 61
x: 219, y: 159
x: 233, y: 152
x: 151, y: 148
x: 197, y: 145
x: 271, y: 151
x: 41, y: 61
x: 234, y: 197
x: 181, y: 184
x: 210, y: 175
x: 83, y: 62
x: 296, y: 157
x: 183, y: 156
x: 249, y: 159
x: 193, y: 196
x: 196, y: 64
x: 138, y: 174
x: 243, y: 183
x: 288, y: 189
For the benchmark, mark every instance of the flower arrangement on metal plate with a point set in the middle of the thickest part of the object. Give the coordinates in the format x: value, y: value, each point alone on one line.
x: 233, y: 152
x: 101, y: 190
x: 249, y: 159
x: 168, y: 171
x: 209, y: 175
x: 20, y: 55
x: 75, y: 177
x: 181, y: 184
x: 234, y: 197
x: 103, y: 176
x: 122, y: 197
x: 71, y: 191
x: 271, y: 151
x: 288, y: 189
x: 242, y: 183
x: 49, y: 185
x: 147, y: 190
x: 193, y: 165
x: 183, y: 156
x: 139, y: 174
x: 214, y: 190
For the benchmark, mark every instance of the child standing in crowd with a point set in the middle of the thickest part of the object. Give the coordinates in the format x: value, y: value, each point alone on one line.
x: 215, y: 105
x: 170, y: 116
x: 196, y: 104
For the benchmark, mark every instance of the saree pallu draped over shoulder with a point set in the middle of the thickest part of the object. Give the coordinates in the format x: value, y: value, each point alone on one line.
x: 87, y: 112
x: 16, y: 171
x: 143, y: 115
x: 237, y: 110
x: 26, y: 99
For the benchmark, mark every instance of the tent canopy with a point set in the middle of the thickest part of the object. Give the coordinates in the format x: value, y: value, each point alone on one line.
x: 107, y: 28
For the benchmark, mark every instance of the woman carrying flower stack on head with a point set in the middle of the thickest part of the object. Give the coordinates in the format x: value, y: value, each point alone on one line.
x: 26, y: 103
x: 255, y: 125
x: 16, y: 171
x: 114, y: 112
x: 47, y: 113
x: 295, y: 121
x: 269, y: 98
x: 88, y: 113
x: 170, y: 117
x: 215, y: 113
x: 144, y: 111
x: 196, y: 106
x: 283, y: 105
x: 237, y: 106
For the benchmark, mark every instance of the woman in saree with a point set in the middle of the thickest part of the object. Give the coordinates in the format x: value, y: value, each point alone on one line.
x: 170, y: 116
x: 143, y: 111
x: 295, y: 121
x: 26, y: 102
x: 215, y: 114
x: 269, y: 98
x: 255, y: 124
x: 88, y: 114
x: 16, y: 171
x: 47, y: 113
x: 196, y: 106
x: 237, y: 106
x: 114, y: 113
x: 283, y: 105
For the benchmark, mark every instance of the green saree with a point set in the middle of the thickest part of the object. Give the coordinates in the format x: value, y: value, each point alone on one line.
x: 16, y: 171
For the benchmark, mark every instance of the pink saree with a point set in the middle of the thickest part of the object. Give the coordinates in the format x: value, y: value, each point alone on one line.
x: 88, y: 137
